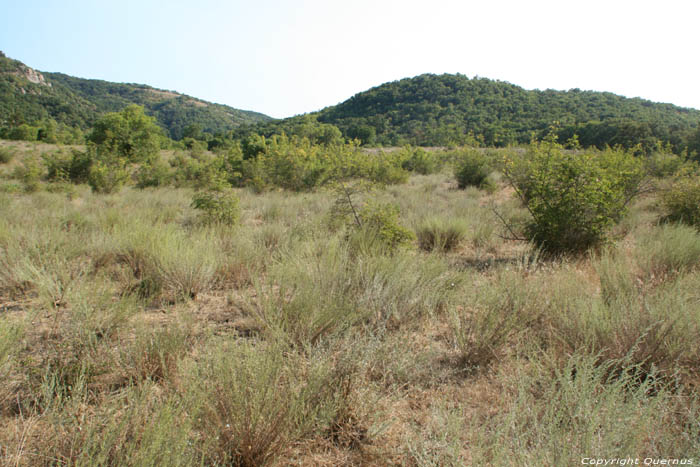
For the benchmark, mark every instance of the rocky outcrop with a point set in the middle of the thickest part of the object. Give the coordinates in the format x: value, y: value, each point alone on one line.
x: 33, y: 76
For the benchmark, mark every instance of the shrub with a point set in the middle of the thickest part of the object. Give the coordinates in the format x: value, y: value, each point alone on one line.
x: 439, y: 234
x: 61, y: 166
x: 420, y: 161
x: 29, y: 173
x: 217, y: 207
x: 682, y: 201
x: 472, y: 169
x: 381, y: 222
x: 108, y: 177
x: 573, y: 198
x: 5, y: 155
x: 664, y: 164
x: 153, y: 174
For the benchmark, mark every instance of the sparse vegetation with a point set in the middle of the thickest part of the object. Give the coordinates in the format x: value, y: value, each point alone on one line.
x: 229, y: 309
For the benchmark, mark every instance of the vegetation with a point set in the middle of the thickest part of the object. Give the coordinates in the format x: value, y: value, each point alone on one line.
x: 473, y: 169
x: 574, y: 198
x: 278, y: 294
x: 52, y: 107
x: 444, y: 110
x: 682, y: 201
x: 202, y: 321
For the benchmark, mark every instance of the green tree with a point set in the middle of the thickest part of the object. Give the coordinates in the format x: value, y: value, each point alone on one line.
x: 118, y: 140
x: 130, y: 135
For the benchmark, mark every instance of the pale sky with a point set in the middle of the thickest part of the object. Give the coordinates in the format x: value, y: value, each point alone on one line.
x: 284, y: 58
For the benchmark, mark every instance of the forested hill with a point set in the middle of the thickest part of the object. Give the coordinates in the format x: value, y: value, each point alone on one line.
x: 28, y: 96
x: 443, y: 109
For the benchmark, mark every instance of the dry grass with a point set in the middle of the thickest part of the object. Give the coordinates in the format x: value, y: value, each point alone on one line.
x: 132, y: 335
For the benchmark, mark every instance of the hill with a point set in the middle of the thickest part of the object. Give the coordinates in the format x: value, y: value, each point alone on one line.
x: 27, y: 96
x: 442, y: 109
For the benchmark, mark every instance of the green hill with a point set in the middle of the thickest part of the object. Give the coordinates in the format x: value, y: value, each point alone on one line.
x: 433, y: 110
x: 27, y: 96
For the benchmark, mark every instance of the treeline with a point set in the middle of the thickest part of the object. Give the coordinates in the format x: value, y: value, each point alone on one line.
x: 431, y: 110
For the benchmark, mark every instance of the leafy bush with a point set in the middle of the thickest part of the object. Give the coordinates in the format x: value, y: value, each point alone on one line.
x: 682, y: 201
x: 62, y: 166
x: 381, y: 221
x: 372, y: 223
x: 153, y: 174
x: 218, y: 207
x: 420, y: 161
x: 107, y: 177
x: 573, y: 198
x: 664, y: 164
x: 5, y: 155
x: 440, y: 234
x: 472, y: 169
x: 29, y: 173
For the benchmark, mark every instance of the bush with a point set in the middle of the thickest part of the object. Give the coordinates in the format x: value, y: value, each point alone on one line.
x: 472, y: 169
x: 61, y: 166
x: 682, y: 201
x: 153, y: 174
x: 5, y: 155
x: 420, y: 161
x: 573, y: 198
x: 218, y: 207
x: 381, y: 221
x: 664, y: 164
x: 440, y: 234
x: 29, y: 173
x: 108, y: 177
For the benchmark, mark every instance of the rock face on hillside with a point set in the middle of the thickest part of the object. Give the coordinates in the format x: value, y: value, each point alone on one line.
x: 33, y: 76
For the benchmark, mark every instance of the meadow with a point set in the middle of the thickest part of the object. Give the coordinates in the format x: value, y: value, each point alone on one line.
x: 132, y: 332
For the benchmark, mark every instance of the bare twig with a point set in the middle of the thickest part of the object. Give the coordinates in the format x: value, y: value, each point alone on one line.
x: 510, y: 229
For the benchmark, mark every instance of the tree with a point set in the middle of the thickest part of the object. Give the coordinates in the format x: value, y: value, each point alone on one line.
x: 118, y: 140
x: 130, y: 135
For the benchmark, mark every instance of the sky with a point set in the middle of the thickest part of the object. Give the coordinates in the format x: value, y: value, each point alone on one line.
x: 285, y: 58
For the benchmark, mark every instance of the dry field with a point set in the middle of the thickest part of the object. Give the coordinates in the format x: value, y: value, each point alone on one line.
x: 131, y: 334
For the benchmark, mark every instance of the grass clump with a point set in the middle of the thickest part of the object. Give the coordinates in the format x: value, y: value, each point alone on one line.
x: 557, y: 414
x: 6, y: 155
x: 473, y: 169
x: 252, y: 400
x: 669, y: 249
x: 441, y: 235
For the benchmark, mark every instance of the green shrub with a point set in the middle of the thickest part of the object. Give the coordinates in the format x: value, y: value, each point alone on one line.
x: 440, y: 234
x: 61, y: 166
x: 420, y: 161
x: 108, y: 177
x: 381, y: 222
x: 682, y: 201
x: 664, y: 164
x: 5, y: 155
x: 472, y: 169
x: 217, y: 207
x: 573, y: 198
x: 29, y: 173
x: 153, y: 174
